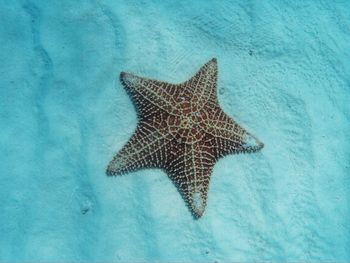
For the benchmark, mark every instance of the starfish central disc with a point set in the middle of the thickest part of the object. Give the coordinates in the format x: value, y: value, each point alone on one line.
x: 185, y: 128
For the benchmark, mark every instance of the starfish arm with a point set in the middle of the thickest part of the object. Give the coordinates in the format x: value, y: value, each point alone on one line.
x: 145, y: 149
x: 203, y: 84
x: 190, y: 170
x: 228, y: 137
x: 156, y: 94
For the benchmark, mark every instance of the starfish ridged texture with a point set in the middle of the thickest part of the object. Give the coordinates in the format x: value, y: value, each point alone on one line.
x: 183, y: 131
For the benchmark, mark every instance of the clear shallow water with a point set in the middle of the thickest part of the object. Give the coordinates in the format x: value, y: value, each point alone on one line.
x: 284, y: 73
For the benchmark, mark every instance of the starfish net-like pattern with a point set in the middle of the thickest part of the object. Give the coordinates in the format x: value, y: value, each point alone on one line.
x: 182, y: 130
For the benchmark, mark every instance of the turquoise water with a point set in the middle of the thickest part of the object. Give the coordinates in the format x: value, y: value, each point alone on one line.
x: 284, y: 73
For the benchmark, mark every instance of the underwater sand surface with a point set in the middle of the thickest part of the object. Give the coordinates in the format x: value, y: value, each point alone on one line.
x: 284, y: 74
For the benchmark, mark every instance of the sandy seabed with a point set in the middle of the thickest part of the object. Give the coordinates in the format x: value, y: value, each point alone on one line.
x: 284, y: 74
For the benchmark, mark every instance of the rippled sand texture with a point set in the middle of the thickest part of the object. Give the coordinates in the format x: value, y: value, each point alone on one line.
x: 284, y: 73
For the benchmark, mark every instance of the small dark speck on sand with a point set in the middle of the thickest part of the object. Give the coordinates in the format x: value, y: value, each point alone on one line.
x: 85, y: 210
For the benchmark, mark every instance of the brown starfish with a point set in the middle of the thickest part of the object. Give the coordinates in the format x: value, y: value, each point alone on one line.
x: 182, y: 130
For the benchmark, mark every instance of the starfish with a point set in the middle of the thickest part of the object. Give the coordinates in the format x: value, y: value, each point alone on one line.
x: 182, y: 130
